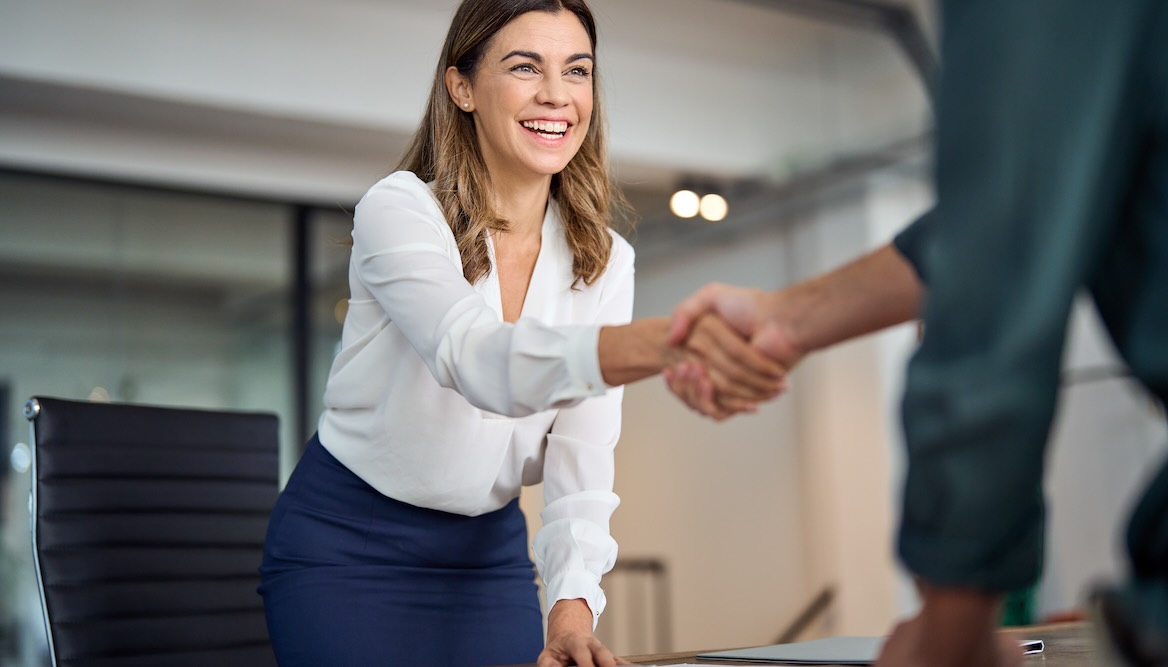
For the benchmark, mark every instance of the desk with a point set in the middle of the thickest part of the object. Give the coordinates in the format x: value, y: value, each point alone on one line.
x: 1067, y: 645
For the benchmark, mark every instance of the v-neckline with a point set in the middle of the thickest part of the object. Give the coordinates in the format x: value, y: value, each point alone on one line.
x: 537, y: 271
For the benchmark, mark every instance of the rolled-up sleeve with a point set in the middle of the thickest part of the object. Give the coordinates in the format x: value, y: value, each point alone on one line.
x: 574, y: 549
x: 405, y: 256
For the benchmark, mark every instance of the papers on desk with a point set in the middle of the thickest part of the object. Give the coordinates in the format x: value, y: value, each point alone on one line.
x: 830, y: 651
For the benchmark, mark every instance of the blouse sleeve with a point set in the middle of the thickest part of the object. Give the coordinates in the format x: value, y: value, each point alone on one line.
x: 574, y: 548
x: 404, y: 254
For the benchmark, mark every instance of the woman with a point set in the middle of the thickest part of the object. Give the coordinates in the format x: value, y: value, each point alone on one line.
x: 474, y: 361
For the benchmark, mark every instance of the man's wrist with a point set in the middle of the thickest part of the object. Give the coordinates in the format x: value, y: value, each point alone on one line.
x: 958, y: 626
x: 790, y: 311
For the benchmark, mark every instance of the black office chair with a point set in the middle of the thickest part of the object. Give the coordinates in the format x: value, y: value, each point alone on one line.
x: 148, y: 527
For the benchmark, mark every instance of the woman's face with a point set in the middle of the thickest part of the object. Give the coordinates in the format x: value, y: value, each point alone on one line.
x: 532, y: 96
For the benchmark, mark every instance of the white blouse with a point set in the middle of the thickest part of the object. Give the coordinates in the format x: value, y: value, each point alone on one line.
x: 435, y: 401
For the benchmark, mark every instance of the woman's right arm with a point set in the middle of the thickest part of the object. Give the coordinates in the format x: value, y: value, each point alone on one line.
x: 404, y: 254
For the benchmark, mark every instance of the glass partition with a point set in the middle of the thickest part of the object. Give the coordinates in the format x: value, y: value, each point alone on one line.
x: 118, y: 293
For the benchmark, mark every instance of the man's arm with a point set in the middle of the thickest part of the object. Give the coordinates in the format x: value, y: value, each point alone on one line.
x: 878, y: 290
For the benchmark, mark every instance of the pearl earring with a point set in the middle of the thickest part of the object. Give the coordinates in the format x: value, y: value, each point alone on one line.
x: 466, y: 105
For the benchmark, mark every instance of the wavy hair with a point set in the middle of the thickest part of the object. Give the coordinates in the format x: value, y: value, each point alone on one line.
x: 445, y: 150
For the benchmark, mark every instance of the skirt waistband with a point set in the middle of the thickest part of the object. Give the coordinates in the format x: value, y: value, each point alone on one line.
x: 338, y: 516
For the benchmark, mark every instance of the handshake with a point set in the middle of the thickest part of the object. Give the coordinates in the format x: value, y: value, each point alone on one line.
x: 724, y: 351
x: 727, y: 349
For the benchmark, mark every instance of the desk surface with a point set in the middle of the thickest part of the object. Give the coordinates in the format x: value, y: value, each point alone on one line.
x: 1067, y: 645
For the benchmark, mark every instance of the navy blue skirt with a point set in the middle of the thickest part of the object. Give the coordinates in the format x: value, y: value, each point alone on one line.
x: 351, y: 577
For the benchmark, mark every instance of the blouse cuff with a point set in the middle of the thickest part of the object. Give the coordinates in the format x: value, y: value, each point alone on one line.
x: 583, y: 357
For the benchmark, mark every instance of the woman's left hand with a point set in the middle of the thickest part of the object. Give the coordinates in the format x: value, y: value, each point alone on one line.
x: 570, y: 640
x: 577, y: 649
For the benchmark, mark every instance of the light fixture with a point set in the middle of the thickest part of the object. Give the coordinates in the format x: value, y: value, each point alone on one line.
x: 684, y: 203
x: 713, y: 207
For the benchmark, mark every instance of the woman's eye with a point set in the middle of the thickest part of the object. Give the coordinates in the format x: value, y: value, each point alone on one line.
x: 525, y: 68
x: 580, y: 72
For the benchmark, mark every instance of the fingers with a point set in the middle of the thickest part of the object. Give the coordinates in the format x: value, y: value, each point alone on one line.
x: 594, y: 654
x: 688, y: 381
x: 577, y: 649
x: 688, y: 311
x: 698, y: 391
x: 737, y: 368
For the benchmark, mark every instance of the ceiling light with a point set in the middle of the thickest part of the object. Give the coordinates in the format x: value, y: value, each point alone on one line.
x: 714, y: 207
x: 684, y: 203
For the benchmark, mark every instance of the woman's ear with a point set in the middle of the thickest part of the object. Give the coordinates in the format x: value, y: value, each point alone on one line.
x: 458, y: 86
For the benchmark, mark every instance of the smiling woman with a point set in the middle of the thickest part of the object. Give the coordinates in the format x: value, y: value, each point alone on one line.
x: 499, y: 83
x: 531, y: 104
x: 486, y: 336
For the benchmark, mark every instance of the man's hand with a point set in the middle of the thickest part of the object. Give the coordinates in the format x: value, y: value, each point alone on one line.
x: 570, y: 640
x: 745, y: 313
x: 752, y: 313
x: 719, y: 374
x: 955, y: 628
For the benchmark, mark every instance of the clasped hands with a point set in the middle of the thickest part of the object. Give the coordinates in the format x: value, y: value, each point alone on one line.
x: 730, y: 351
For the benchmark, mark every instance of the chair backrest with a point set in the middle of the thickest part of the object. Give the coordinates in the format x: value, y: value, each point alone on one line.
x: 148, y: 527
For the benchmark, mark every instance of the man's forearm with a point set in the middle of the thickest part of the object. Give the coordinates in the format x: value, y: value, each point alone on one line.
x: 878, y: 290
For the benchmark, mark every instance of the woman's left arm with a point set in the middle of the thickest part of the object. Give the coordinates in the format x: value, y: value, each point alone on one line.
x: 574, y: 548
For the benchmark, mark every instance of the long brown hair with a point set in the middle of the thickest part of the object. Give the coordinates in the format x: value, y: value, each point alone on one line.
x: 445, y: 150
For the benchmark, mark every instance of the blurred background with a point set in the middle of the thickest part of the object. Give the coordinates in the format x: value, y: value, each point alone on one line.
x: 175, y: 177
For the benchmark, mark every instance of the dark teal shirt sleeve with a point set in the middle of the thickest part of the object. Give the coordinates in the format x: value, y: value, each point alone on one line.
x: 912, y: 241
x: 1040, y: 133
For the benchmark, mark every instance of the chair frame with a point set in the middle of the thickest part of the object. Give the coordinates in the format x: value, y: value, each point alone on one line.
x: 32, y: 410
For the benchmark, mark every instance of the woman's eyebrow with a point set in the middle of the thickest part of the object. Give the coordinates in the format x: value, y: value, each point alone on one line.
x: 523, y: 54
x: 539, y: 59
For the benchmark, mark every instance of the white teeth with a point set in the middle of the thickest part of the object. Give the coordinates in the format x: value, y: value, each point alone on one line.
x: 541, y: 126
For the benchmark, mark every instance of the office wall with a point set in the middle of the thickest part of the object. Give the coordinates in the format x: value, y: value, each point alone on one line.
x: 848, y: 413
x: 721, y: 504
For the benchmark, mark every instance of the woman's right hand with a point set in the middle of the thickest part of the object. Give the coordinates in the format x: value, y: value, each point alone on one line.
x: 717, y: 372
x: 734, y: 374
